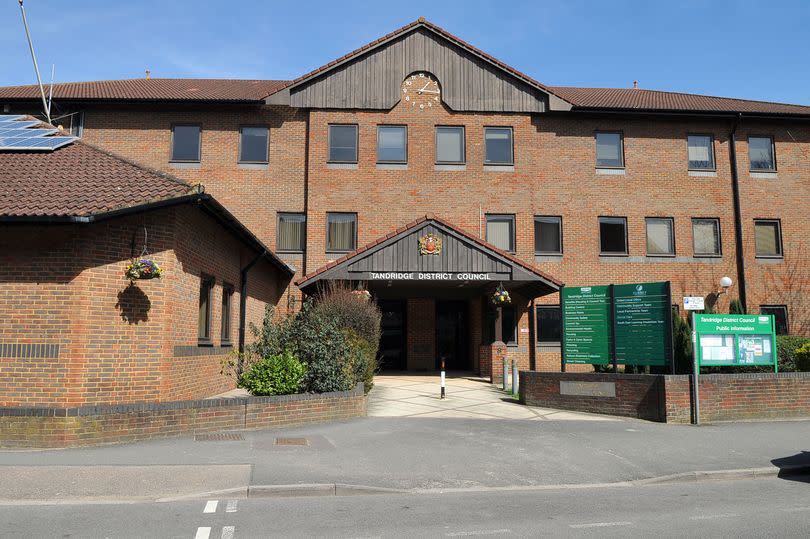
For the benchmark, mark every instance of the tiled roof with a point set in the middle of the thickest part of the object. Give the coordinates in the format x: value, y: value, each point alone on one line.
x: 429, y: 217
x: 77, y: 181
x: 152, y: 90
x: 655, y: 100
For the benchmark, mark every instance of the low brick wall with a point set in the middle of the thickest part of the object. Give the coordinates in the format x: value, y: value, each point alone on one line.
x: 94, y: 425
x: 668, y: 398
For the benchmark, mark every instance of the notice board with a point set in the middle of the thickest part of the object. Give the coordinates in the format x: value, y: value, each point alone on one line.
x: 735, y: 339
x: 587, y: 335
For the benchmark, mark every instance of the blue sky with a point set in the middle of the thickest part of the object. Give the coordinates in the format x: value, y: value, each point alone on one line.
x: 743, y: 48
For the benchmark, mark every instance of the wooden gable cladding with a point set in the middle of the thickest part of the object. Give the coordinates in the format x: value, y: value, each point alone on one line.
x: 457, y: 255
x: 373, y: 79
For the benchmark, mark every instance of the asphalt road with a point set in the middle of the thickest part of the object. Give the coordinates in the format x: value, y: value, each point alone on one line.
x: 745, y: 508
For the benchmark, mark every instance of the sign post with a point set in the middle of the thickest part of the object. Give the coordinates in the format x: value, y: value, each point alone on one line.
x: 587, y: 335
x: 695, y: 374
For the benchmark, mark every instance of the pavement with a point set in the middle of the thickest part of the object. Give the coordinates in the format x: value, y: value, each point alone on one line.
x: 413, y: 453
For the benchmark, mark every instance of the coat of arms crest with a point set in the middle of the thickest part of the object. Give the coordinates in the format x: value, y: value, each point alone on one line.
x: 430, y: 244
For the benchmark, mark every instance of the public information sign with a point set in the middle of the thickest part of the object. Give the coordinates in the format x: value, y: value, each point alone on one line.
x: 735, y: 339
x: 586, y: 324
x: 642, y: 324
x: 623, y: 324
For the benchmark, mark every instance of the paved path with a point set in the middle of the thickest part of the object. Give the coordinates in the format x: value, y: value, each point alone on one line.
x: 414, y: 395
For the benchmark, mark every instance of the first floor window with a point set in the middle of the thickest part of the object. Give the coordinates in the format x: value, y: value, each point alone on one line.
x: 768, y: 238
x: 343, y: 144
x: 392, y: 144
x: 613, y: 235
x: 761, y: 154
x: 549, y: 324
x: 291, y: 232
x: 450, y: 145
x: 498, y: 142
x: 225, y: 330
x: 780, y: 316
x: 609, y: 150
x: 253, y: 144
x: 186, y: 143
x: 204, y: 313
x: 706, y: 237
x: 660, y: 236
x: 701, y: 152
x: 501, y: 231
x: 341, y: 232
x: 548, y: 235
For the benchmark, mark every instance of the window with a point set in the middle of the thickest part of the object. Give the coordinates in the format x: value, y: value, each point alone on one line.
x: 498, y: 141
x: 613, y: 235
x: 392, y: 144
x: 186, y: 143
x: 660, y: 236
x: 291, y: 232
x: 508, y: 324
x: 609, y: 150
x: 548, y: 235
x: 768, y: 238
x: 253, y: 144
x: 701, y: 152
x: 761, y: 154
x: 75, y: 123
x: 225, y: 332
x: 341, y: 232
x: 549, y: 324
x: 204, y: 316
x: 779, y: 313
x: 343, y: 144
x: 706, y: 237
x: 501, y: 231
x: 450, y: 145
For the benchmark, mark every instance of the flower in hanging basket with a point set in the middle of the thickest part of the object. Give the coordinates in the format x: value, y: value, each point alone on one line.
x: 365, y: 295
x: 143, y: 269
x: 501, y: 297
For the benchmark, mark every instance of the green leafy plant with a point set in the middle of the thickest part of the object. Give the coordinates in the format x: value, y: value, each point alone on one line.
x: 362, y: 365
x: 682, y: 344
x: 786, y: 348
x: 802, y: 355
x: 736, y: 307
x: 279, y: 374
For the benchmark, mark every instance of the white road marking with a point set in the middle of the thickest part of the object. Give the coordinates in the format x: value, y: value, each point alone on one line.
x: 202, y: 533
x: 600, y: 525
x: 477, y: 532
x: 231, y: 507
x: 711, y: 517
x: 210, y: 506
x: 227, y: 532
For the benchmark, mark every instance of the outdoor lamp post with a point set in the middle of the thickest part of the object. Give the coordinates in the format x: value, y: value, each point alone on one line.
x: 725, y: 284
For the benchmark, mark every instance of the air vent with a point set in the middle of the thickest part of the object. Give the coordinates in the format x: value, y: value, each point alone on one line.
x: 219, y: 437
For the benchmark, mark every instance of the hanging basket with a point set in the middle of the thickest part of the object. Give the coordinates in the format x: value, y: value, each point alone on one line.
x: 363, y: 295
x: 501, y: 296
x: 144, y: 268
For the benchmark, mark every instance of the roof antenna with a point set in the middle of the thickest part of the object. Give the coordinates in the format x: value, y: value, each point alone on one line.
x: 148, y: 74
x: 36, y: 67
x: 635, y: 85
x: 50, y: 91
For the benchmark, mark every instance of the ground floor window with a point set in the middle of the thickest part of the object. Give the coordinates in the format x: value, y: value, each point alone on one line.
x: 549, y: 324
x: 508, y: 324
x: 225, y: 331
x: 204, y: 315
x: 780, y: 315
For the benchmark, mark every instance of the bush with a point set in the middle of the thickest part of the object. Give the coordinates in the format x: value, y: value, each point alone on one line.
x: 279, y: 374
x: 351, y: 310
x: 682, y: 344
x: 320, y: 344
x: 786, y: 347
x: 802, y: 355
x: 362, y: 363
x: 736, y: 307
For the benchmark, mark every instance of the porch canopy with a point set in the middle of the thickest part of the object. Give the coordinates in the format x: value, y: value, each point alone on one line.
x: 430, y: 253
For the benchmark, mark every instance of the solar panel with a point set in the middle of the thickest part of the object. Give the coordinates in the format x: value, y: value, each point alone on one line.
x: 19, y: 134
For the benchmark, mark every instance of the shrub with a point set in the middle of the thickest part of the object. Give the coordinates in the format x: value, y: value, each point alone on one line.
x: 362, y: 363
x: 351, y: 310
x: 279, y: 374
x: 320, y: 344
x: 736, y: 307
x: 786, y: 347
x: 682, y: 344
x: 802, y: 355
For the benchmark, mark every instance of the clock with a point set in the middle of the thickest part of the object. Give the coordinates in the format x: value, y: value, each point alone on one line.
x: 420, y: 91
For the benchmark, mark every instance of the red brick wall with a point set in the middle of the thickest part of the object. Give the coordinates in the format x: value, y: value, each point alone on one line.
x: 76, y: 427
x: 421, y: 329
x: 64, y: 285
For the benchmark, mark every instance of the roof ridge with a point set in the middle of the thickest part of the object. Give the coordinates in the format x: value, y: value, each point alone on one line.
x: 132, y: 79
x: 199, y: 187
x: 670, y: 92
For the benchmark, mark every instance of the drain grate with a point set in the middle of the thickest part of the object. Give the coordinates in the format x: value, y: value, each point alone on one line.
x: 219, y: 437
x: 292, y: 441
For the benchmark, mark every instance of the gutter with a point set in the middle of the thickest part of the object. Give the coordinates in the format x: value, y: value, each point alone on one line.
x: 243, y: 283
x: 735, y: 189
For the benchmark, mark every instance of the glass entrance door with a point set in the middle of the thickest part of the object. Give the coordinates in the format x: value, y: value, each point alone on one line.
x: 391, y: 356
x: 452, y: 337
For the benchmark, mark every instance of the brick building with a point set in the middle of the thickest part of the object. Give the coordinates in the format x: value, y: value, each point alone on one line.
x: 74, y: 330
x: 345, y: 169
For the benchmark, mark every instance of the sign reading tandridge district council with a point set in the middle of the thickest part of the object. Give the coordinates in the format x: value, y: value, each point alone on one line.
x: 586, y: 324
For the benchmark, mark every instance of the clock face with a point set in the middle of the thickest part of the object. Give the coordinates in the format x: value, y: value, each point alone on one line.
x: 420, y: 91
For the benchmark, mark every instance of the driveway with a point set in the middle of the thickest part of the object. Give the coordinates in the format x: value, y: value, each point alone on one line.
x: 418, y: 395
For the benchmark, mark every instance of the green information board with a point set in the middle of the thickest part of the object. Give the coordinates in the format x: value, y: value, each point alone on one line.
x: 642, y: 323
x: 586, y: 324
x: 735, y: 339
